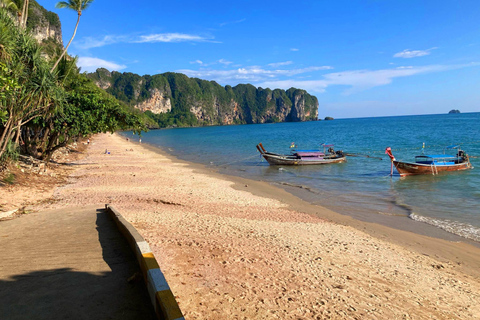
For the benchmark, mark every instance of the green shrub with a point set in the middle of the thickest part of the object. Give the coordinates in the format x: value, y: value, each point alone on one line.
x: 9, y: 179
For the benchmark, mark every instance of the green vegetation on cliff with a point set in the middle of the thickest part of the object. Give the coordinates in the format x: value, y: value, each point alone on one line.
x: 38, y: 16
x: 184, y: 101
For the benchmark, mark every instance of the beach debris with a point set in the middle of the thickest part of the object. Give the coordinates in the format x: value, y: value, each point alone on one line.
x: 136, y: 277
x: 8, y: 213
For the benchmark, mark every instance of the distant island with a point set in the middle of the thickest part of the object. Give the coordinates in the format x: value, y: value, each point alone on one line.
x: 328, y: 118
x: 454, y: 111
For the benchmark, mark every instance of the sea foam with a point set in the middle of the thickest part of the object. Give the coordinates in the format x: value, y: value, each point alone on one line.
x: 464, y: 230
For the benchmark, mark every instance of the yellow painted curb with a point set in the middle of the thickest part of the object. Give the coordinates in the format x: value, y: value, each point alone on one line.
x: 163, y: 300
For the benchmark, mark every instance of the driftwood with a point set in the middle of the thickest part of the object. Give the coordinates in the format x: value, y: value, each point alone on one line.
x: 32, y: 162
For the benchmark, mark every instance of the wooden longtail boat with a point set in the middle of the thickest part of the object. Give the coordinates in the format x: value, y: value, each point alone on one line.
x: 302, y: 157
x: 431, y: 164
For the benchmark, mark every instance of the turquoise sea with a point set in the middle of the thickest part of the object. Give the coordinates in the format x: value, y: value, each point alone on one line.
x: 361, y: 187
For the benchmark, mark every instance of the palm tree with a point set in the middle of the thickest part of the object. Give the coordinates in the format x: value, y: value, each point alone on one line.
x: 76, y: 5
x: 23, y: 23
x: 22, y: 13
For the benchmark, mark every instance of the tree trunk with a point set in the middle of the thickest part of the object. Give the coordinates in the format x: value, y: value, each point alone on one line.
x: 22, y: 144
x: 50, y: 152
x: 5, y: 136
x: 5, y: 129
x: 66, y: 48
x: 19, y: 126
x: 53, y: 146
x: 19, y: 16
x: 7, y: 139
x: 31, y: 142
x: 45, y: 139
x: 26, y: 3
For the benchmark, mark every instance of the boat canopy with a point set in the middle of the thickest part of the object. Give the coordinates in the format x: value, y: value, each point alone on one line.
x: 437, y: 156
x: 436, y: 159
x: 295, y: 150
x: 309, y: 153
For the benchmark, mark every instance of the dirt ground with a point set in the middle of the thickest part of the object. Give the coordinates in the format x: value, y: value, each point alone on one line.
x: 229, y: 253
x: 29, y: 182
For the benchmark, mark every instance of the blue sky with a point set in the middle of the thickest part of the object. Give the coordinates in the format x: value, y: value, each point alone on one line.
x: 359, y: 58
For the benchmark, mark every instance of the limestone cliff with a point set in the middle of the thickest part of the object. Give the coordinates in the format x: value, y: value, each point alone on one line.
x: 157, y: 103
x: 44, y: 24
x: 206, y: 102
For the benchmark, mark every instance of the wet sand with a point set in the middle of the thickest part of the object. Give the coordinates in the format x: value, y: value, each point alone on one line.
x: 233, y: 248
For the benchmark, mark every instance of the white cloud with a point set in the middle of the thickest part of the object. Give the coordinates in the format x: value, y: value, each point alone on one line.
x: 407, y: 53
x: 360, y: 80
x: 354, y: 80
x: 225, y: 62
x: 294, y: 49
x: 207, y: 64
x: 247, y: 74
x: 89, y: 42
x: 280, y: 64
x: 232, y: 22
x: 171, y: 37
x: 91, y: 64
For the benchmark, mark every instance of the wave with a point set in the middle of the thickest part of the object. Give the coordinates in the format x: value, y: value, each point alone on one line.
x: 464, y: 230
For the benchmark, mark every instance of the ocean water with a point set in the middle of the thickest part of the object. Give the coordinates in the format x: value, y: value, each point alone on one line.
x: 363, y: 185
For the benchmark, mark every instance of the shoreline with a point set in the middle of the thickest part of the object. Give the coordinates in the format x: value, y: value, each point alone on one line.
x: 419, y: 236
x: 237, y: 248
x: 396, y: 220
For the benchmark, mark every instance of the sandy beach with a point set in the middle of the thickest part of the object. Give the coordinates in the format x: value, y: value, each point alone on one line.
x: 232, y: 248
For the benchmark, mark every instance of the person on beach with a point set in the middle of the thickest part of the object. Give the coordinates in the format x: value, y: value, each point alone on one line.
x: 88, y: 141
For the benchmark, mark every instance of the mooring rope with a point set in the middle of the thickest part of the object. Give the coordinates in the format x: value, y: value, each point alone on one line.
x: 419, y: 148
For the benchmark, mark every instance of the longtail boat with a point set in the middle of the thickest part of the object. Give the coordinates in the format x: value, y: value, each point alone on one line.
x: 431, y: 164
x: 303, y: 157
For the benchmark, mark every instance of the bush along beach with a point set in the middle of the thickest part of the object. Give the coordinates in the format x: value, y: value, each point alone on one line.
x: 42, y: 108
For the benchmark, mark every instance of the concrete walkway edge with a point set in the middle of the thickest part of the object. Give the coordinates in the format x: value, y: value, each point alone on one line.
x: 163, y: 300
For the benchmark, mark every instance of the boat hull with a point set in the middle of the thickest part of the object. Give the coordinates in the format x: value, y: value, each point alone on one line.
x: 411, y: 168
x: 281, y: 160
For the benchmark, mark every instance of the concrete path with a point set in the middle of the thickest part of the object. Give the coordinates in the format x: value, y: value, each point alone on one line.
x: 69, y: 264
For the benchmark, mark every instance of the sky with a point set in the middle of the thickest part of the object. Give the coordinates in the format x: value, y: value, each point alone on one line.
x: 360, y: 58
